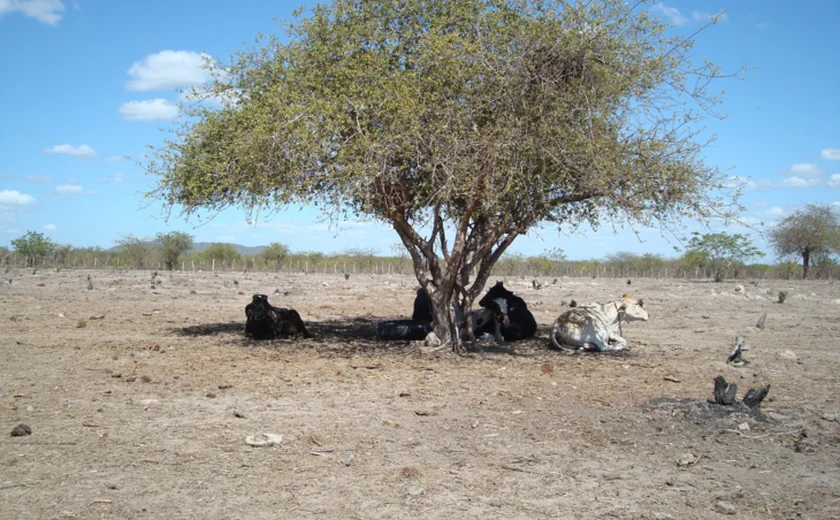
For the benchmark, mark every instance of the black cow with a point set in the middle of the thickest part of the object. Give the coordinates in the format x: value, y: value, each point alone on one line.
x: 265, y: 321
x: 518, y: 322
x: 422, y: 307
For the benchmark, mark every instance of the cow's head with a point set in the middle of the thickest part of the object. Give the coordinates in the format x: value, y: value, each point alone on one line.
x: 632, y: 309
x: 495, y: 292
x: 259, y: 307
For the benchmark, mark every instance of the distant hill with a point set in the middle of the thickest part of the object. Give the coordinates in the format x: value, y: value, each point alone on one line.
x: 201, y: 246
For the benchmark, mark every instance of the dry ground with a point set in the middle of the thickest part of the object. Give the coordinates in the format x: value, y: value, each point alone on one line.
x: 143, y: 411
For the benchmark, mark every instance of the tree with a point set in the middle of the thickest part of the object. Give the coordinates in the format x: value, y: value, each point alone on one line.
x: 62, y: 253
x: 172, y: 246
x: 810, y: 234
x: 275, y: 252
x: 462, y: 125
x: 4, y: 255
x: 134, y: 250
x: 34, y: 247
x: 720, y: 250
x: 226, y: 253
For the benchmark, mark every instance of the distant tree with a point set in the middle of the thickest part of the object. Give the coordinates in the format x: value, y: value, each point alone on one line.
x: 812, y: 234
x: 34, y: 247
x: 172, y: 245
x: 225, y: 253
x: 134, y: 250
x: 720, y: 250
x: 462, y: 125
x: 275, y: 252
x: 4, y: 255
x: 555, y: 254
x: 62, y: 253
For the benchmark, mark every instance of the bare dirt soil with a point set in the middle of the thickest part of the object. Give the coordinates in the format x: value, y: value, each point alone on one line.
x: 140, y: 402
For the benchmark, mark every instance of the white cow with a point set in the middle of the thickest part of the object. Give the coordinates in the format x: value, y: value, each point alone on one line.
x: 596, y: 326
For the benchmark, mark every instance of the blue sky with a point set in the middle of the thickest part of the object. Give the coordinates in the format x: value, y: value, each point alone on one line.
x: 87, y: 83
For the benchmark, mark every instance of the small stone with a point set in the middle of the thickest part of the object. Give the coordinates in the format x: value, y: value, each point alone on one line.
x: 778, y: 417
x: 788, y: 354
x: 686, y: 459
x: 211, y: 395
x: 725, y: 507
x: 20, y: 430
x: 416, y: 491
x: 431, y: 340
x: 739, y: 289
x: 263, y: 439
x: 831, y: 416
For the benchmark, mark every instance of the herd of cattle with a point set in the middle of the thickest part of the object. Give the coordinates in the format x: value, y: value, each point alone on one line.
x: 502, y: 316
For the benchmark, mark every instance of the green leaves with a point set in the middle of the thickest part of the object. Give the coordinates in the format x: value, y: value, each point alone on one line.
x: 720, y: 251
x: 34, y: 246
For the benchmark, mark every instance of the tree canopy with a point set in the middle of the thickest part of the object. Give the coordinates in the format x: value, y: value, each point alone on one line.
x: 719, y: 251
x: 810, y: 234
x: 172, y: 246
x: 461, y: 124
x: 34, y: 247
x: 222, y: 252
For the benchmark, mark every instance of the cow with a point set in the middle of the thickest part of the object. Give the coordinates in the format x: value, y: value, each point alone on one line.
x: 517, y: 321
x: 596, y: 327
x: 265, y: 321
x: 422, y: 307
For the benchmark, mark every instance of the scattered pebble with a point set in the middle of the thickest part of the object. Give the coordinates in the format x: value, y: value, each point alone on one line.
x: 687, y: 459
x: 788, y: 354
x: 725, y: 506
x: 211, y: 395
x: 831, y: 416
x: 20, y: 430
x: 263, y: 439
x: 350, y: 459
x: 416, y: 491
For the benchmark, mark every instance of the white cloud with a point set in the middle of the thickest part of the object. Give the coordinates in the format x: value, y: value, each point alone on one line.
x: 167, y: 70
x: 764, y: 25
x: 149, y: 110
x: 35, y: 178
x: 834, y: 180
x: 113, y: 158
x: 50, y: 227
x: 830, y: 154
x: 46, y: 11
x: 672, y: 14
x: 16, y: 197
x: 112, y: 179
x: 76, y: 151
x: 69, y: 189
x: 703, y: 16
x: 799, y: 182
x: 775, y: 211
x: 805, y: 170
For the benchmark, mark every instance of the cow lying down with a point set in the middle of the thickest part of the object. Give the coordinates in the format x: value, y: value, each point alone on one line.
x: 596, y: 327
x: 265, y: 321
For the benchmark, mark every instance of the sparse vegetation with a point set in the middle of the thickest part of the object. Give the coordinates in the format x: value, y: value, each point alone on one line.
x: 811, y: 234
x: 172, y: 246
x: 719, y: 251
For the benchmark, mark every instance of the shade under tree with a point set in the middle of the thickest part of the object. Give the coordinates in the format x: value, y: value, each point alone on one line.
x: 460, y: 124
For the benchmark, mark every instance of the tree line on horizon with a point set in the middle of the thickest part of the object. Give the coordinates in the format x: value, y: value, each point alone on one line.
x: 807, y: 243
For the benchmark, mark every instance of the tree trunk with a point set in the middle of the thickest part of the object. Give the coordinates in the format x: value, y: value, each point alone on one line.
x: 806, y: 259
x: 445, y: 324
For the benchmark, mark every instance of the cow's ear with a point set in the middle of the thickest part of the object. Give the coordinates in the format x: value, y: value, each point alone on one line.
x: 641, y: 303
